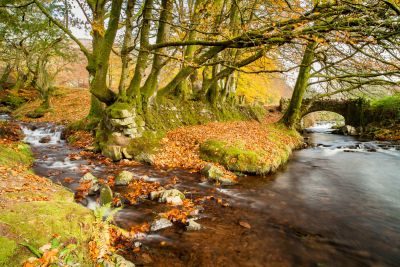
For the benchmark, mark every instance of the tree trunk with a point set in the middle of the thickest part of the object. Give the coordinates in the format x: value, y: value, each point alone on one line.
x: 133, y: 91
x: 292, y: 114
x: 5, y: 75
x: 150, y: 85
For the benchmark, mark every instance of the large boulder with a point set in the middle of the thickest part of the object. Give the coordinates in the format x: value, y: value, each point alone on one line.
x: 349, y: 130
x: 124, y: 178
x: 215, y: 174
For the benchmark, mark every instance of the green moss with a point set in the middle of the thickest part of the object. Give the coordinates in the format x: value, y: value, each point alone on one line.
x: 69, y: 220
x: 12, y: 100
x: 235, y: 157
x: 7, y: 250
x: 15, y: 153
x: 389, y: 106
x: 148, y: 143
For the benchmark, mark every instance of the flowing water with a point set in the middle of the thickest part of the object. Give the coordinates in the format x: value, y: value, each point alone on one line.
x: 337, y: 203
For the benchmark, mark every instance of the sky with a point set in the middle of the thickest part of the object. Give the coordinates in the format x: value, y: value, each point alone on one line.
x: 80, y: 33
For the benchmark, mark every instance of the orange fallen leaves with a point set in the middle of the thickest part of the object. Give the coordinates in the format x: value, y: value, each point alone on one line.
x: 139, y: 188
x: 180, y: 148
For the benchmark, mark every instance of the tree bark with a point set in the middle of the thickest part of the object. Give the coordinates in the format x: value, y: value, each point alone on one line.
x: 133, y: 91
x: 150, y: 85
x: 292, y: 114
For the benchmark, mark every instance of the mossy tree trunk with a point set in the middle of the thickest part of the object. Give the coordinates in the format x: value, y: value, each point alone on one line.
x: 292, y: 115
x: 6, y: 73
x: 151, y: 83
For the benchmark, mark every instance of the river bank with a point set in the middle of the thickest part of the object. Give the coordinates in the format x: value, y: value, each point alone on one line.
x: 29, y: 202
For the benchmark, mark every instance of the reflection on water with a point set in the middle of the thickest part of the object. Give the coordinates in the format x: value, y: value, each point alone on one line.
x: 336, y: 203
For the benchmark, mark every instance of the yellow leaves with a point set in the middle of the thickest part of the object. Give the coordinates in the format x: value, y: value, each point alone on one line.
x: 98, y: 27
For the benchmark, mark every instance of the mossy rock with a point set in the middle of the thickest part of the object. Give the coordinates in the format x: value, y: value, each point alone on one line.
x: 235, y: 157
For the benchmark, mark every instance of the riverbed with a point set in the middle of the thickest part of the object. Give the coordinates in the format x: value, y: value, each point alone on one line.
x: 336, y: 203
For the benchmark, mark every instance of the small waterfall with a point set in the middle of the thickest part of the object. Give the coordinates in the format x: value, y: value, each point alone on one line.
x: 4, y: 117
x: 48, y: 134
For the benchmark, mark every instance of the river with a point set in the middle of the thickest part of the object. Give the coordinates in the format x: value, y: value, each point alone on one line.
x: 336, y: 203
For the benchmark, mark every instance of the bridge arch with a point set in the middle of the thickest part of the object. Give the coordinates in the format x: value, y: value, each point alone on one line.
x: 351, y: 109
x: 312, y: 118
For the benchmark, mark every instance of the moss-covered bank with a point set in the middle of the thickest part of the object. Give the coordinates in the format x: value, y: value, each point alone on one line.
x: 251, y: 158
x: 33, y: 209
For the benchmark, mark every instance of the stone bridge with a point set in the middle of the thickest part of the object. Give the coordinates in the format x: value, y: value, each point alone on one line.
x: 351, y: 109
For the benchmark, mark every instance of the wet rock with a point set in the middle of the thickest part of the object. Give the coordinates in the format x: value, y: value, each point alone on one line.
x: 106, y: 195
x: 95, y: 187
x: 245, y: 224
x: 349, y: 130
x: 156, y: 194
x: 193, y: 226
x: 215, y: 174
x: 45, y: 140
x: 124, y: 178
x: 160, y: 224
x: 176, y: 201
x: 170, y: 194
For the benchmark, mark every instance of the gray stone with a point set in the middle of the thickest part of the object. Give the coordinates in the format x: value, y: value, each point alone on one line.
x: 88, y: 177
x: 131, y: 132
x: 146, y: 158
x: 171, y: 193
x: 215, y: 174
x: 124, y: 178
x: 122, y: 122
x: 106, y: 195
x: 113, y: 152
x: 160, y: 224
x: 193, y: 226
x: 349, y: 130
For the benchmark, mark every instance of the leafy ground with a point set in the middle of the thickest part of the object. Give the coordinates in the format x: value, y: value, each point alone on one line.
x: 181, y: 147
x: 68, y: 105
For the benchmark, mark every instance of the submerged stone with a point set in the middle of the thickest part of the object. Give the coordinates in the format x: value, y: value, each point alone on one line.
x: 193, y: 226
x: 160, y: 224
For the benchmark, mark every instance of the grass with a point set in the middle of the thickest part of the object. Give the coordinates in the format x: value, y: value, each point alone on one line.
x: 389, y: 104
x: 15, y: 153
